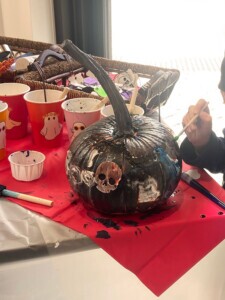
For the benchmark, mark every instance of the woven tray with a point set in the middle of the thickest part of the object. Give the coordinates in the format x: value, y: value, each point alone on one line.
x: 36, y: 85
x: 63, y: 69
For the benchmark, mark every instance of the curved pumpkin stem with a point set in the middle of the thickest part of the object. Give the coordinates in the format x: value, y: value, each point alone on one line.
x: 122, y: 116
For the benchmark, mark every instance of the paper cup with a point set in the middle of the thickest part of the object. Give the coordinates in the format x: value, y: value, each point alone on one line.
x: 79, y: 114
x: 17, y: 117
x: 26, y: 165
x: 46, y: 118
x: 3, y: 115
x: 108, y: 110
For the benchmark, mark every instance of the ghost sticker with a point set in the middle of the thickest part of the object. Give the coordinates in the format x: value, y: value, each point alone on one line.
x: 77, y: 128
x: 52, y: 127
x: 9, y: 122
x: 2, y: 135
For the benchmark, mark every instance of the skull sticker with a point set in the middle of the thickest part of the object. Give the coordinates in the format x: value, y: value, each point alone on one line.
x: 107, y: 176
x: 126, y: 79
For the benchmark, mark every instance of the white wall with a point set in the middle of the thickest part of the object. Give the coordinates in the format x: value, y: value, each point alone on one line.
x: 27, y: 19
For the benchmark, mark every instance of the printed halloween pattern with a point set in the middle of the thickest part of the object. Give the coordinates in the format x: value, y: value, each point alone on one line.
x: 52, y: 127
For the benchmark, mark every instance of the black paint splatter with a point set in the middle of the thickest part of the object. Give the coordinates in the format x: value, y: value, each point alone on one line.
x: 27, y: 153
x: 103, y: 234
x: 74, y: 202
x: 71, y: 194
x: 148, y: 228
x: 85, y: 225
x: 131, y: 223
x: 139, y: 230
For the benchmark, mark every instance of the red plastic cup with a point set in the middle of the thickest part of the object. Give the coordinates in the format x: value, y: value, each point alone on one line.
x: 46, y: 116
x: 17, y: 117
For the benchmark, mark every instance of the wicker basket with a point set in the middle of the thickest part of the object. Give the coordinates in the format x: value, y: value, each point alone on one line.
x: 63, y: 69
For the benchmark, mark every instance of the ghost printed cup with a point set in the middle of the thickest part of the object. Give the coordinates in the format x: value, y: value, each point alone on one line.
x: 17, y: 117
x: 46, y: 116
x: 3, y: 115
x: 79, y: 114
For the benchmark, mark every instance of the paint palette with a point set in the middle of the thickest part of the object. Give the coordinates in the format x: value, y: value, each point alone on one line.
x: 26, y: 165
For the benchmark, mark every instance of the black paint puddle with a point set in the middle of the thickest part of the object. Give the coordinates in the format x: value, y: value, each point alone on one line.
x: 109, y: 223
x: 103, y: 234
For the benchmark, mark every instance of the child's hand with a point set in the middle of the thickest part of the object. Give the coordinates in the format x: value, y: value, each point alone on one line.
x: 200, y: 130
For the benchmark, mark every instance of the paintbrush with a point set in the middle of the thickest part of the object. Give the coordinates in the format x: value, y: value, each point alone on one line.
x: 190, y: 122
x: 64, y: 92
x: 200, y: 188
x: 7, y: 193
x: 133, y: 99
x: 101, y: 104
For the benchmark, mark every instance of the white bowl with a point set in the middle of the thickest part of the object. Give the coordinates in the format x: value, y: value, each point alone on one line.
x: 26, y: 165
x: 108, y: 110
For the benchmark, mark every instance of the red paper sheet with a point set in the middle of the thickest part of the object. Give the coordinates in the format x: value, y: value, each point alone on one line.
x: 159, y: 247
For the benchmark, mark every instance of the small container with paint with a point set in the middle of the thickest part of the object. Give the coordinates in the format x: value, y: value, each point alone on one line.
x: 26, y: 165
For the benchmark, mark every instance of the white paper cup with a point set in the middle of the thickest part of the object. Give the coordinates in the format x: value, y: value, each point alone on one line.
x: 108, y: 111
x: 26, y: 165
x: 79, y: 114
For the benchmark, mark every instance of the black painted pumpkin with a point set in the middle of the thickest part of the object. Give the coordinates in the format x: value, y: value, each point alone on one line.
x: 121, y: 164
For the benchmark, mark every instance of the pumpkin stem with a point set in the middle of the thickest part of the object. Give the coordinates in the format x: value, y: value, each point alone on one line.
x: 122, y: 116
